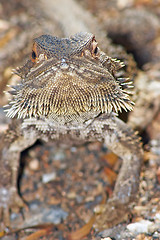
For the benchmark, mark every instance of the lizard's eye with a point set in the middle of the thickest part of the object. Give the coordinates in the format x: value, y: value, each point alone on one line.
x: 94, y: 49
x: 33, y: 55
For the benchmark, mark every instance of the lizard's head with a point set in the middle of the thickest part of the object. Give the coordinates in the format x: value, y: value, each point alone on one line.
x: 68, y: 79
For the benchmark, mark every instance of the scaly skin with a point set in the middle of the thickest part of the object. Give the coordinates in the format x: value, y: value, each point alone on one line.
x: 69, y: 93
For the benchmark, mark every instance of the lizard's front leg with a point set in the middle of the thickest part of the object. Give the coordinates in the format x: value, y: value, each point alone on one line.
x: 13, y: 142
x: 124, y: 142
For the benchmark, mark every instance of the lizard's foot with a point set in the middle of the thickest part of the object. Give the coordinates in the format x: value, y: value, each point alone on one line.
x: 110, y: 214
x: 9, y: 201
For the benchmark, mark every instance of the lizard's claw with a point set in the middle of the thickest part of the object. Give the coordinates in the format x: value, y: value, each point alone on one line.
x: 9, y: 201
x: 110, y: 214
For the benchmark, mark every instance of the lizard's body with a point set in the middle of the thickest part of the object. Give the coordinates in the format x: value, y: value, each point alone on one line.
x: 69, y: 93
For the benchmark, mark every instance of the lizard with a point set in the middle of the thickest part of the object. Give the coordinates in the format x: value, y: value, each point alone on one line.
x: 69, y: 93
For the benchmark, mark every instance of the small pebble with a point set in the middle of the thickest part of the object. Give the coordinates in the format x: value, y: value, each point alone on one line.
x: 34, y: 164
x: 32, y: 153
x: 4, y: 25
x: 73, y: 149
x: 59, y: 156
x: 48, y: 177
x: 55, y: 215
x: 140, y: 227
x: 124, y: 3
x: 71, y: 195
x: 107, y: 238
x: 156, y: 236
x: 157, y: 216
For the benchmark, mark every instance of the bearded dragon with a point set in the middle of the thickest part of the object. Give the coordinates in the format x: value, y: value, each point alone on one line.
x: 69, y: 93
